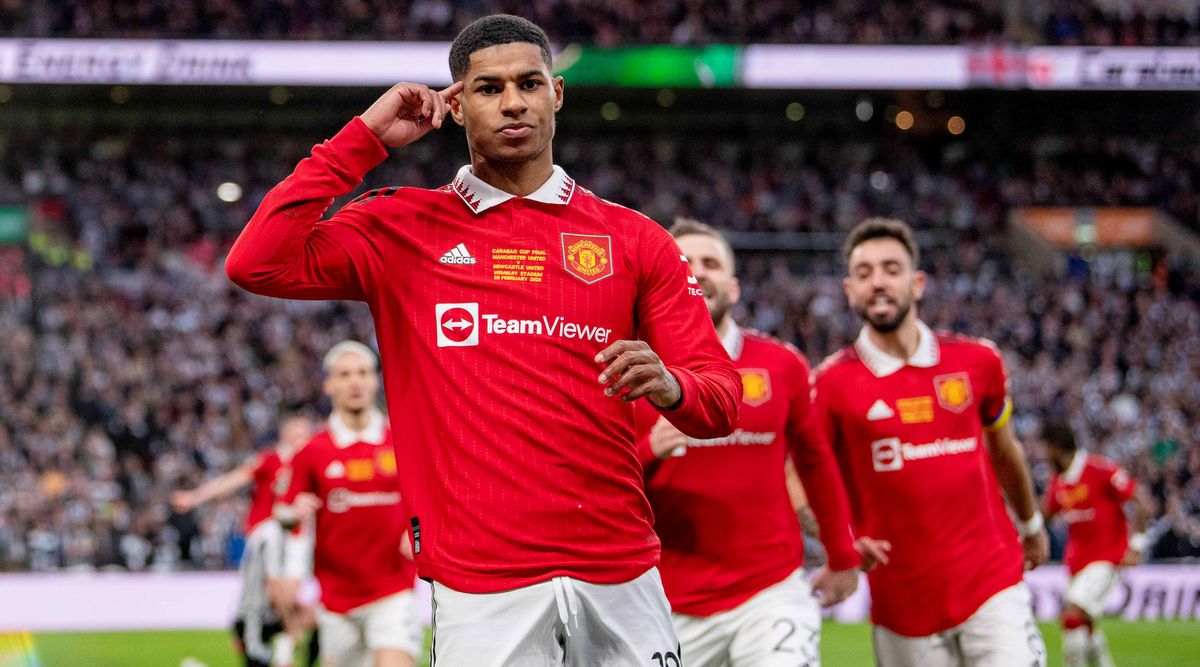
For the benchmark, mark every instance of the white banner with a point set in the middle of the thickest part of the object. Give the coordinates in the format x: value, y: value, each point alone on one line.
x: 1114, y: 68
x: 112, y: 61
x: 208, y: 600
x: 854, y: 67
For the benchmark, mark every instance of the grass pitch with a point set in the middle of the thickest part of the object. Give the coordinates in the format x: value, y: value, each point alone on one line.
x: 1158, y: 644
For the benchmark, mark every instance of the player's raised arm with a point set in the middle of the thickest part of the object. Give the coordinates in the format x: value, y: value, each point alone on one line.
x: 217, y: 487
x: 286, y: 250
x: 679, y: 363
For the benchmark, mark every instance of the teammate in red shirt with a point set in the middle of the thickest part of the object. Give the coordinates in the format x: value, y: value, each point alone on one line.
x: 258, y: 628
x: 518, y: 317
x: 368, y: 612
x: 920, y: 424
x: 732, y: 545
x: 1090, y: 493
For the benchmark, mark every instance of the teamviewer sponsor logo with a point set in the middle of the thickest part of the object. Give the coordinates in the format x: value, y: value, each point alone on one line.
x: 885, y: 455
x: 458, y: 324
x: 341, y: 500
x: 890, y: 454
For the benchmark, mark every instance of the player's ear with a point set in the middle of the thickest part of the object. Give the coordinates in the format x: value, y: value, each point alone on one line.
x: 918, y: 285
x: 557, y: 84
x: 735, y: 290
x: 456, y: 111
x: 846, y: 288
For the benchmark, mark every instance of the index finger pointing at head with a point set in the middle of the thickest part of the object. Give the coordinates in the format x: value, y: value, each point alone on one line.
x: 452, y: 90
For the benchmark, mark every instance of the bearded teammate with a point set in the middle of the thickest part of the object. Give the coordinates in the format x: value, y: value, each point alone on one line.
x: 259, y: 627
x: 920, y: 424
x: 518, y: 316
x: 732, y: 545
x: 347, y: 473
x: 1090, y: 493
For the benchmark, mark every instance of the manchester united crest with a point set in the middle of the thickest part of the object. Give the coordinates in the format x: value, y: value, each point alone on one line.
x: 587, y: 257
x: 953, y: 391
x: 756, y: 386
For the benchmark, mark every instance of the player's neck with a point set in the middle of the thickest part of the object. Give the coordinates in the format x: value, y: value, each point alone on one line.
x: 724, y: 326
x: 901, y: 343
x: 355, y: 420
x: 516, y: 178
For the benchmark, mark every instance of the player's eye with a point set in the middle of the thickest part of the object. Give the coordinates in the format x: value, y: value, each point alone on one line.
x: 487, y: 90
x: 530, y: 84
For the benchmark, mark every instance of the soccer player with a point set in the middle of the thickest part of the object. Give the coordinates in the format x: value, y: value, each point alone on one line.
x: 732, y: 547
x: 1090, y: 492
x: 259, y: 627
x: 919, y: 422
x: 347, y: 475
x: 518, y: 317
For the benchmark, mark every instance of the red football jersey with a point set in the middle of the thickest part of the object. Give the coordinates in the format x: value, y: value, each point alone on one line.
x: 910, y: 440
x: 361, y: 521
x: 1091, y: 496
x: 262, y: 488
x: 721, y: 506
x: 489, y: 310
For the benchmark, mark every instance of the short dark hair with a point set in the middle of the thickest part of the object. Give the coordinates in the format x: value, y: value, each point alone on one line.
x: 495, y: 30
x: 882, y: 228
x: 688, y: 226
x: 1057, y: 433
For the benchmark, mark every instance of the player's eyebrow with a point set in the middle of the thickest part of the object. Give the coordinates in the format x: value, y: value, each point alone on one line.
x: 494, y: 77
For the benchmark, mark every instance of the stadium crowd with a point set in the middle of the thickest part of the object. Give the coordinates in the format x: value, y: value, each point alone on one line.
x: 131, y: 367
x: 611, y: 22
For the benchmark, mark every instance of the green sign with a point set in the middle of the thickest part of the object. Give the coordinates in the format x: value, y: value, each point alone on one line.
x: 13, y: 229
x: 712, y: 66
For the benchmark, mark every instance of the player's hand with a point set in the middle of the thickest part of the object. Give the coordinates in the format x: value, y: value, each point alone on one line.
x: 833, y: 586
x: 283, y: 593
x: 633, y: 368
x: 183, y: 501
x: 306, y: 506
x: 665, y: 439
x: 873, y: 552
x: 1036, y: 548
x: 408, y: 111
x: 1132, y: 557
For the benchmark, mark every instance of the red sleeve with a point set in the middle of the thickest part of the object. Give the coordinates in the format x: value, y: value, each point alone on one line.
x: 815, y: 463
x: 994, y: 406
x: 301, y: 478
x: 286, y: 250
x: 644, y: 417
x: 1121, y: 484
x: 674, y: 321
x: 826, y: 426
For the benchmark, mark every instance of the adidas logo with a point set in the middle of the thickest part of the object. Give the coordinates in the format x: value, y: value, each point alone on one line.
x: 335, y: 470
x: 879, y: 411
x: 457, y: 255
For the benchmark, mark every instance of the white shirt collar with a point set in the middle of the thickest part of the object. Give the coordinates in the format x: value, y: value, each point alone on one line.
x: 480, y: 196
x: 1075, y: 470
x: 733, y: 340
x: 343, y: 436
x: 883, y: 364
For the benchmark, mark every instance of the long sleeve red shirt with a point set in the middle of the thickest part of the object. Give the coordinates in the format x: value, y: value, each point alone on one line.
x: 489, y: 311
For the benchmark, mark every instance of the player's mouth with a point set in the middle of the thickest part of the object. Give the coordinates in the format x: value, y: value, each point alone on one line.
x: 517, y: 130
x: 881, y: 302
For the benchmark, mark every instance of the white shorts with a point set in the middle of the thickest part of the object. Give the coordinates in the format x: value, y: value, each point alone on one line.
x: 1001, y: 633
x: 1089, y: 588
x: 778, y: 627
x: 562, y: 621
x: 350, y: 639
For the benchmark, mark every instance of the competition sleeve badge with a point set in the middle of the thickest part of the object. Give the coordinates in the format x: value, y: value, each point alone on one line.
x: 953, y: 391
x: 756, y: 386
x: 587, y: 257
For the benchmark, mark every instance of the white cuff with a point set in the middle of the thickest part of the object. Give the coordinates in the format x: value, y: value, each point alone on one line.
x: 1138, y: 542
x: 1032, y: 527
